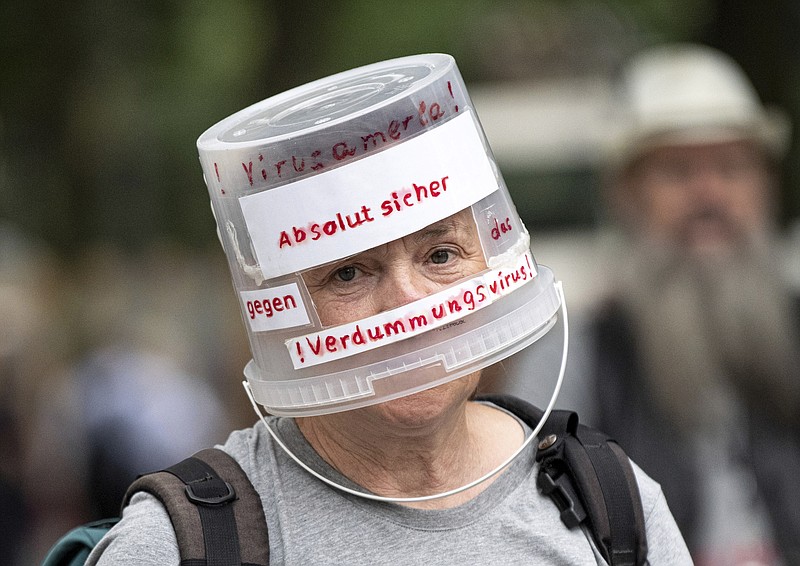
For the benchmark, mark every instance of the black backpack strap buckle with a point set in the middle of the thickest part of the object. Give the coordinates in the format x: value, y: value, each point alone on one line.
x: 561, y: 491
x: 553, y: 479
x: 211, y: 492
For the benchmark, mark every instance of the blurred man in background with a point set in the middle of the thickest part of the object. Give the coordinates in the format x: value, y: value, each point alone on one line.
x: 695, y: 353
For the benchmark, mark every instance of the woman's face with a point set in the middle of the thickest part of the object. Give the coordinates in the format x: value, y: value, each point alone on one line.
x: 397, y: 273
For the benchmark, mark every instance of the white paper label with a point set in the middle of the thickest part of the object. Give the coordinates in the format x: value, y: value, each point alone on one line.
x: 409, y: 320
x: 274, y: 308
x: 371, y: 201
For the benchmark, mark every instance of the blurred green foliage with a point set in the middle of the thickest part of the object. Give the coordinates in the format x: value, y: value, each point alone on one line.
x: 101, y: 102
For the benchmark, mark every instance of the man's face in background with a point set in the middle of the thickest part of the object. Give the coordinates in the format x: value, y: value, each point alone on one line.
x: 703, y: 200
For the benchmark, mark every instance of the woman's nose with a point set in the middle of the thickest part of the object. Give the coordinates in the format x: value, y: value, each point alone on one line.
x: 401, y: 286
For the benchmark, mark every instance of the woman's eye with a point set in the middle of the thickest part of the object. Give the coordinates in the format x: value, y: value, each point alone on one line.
x: 440, y: 256
x: 346, y: 273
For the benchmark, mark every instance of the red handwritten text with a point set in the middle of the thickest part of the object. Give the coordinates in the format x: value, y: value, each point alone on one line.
x: 268, y: 307
x: 501, y: 228
x: 263, y: 169
x: 360, y: 337
x: 399, y: 200
x: 417, y: 194
x: 317, y: 230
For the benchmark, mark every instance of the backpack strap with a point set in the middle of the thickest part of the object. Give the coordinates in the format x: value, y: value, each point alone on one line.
x: 215, y: 510
x: 591, y: 480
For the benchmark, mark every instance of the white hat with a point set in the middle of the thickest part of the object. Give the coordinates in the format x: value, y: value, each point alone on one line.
x: 690, y: 94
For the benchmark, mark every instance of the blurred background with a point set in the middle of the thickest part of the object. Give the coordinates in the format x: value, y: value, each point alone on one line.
x: 118, y: 324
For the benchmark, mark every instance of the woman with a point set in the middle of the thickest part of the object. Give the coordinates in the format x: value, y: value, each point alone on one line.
x: 370, y: 331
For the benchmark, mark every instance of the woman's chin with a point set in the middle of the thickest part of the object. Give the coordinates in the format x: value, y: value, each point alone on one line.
x: 427, y: 406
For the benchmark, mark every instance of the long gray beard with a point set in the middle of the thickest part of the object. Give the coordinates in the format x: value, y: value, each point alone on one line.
x: 714, y: 334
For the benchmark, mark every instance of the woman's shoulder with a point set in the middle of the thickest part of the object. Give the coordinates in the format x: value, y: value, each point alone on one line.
x: 143, y: 536
x: 664, y: 540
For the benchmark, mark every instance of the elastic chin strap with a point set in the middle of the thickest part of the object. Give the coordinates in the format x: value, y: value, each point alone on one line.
x: 470, y: 485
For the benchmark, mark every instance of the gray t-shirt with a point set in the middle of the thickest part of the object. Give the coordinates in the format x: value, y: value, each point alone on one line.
x: 309, y: 522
